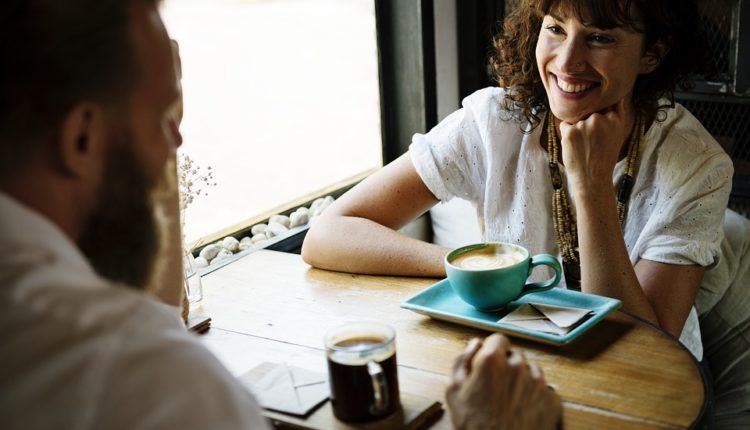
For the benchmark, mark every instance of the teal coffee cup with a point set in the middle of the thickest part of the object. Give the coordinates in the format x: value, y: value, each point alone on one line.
x: 490, y: 275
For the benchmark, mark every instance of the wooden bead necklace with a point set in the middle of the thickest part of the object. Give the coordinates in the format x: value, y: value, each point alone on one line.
x: 563, y: 219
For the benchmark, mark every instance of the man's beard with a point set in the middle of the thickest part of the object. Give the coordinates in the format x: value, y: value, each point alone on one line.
x: 121, y: 238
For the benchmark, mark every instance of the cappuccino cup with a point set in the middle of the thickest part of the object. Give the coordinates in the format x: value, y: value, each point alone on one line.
x: 490, y: 275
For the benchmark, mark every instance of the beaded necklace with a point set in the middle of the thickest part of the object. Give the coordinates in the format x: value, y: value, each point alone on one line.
x: 563, y: 220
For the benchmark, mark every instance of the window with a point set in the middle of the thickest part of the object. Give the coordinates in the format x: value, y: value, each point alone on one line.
x: 281, y: 101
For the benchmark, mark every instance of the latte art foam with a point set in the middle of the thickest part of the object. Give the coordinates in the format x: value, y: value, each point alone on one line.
x: 483, y: 259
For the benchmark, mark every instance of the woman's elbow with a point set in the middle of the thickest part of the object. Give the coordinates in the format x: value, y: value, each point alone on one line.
x: 313, y: 247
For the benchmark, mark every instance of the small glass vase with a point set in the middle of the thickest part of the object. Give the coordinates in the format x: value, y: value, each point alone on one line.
x: 193, y: 284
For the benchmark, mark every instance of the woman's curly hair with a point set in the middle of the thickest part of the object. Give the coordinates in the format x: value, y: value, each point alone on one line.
x: 673, y: 22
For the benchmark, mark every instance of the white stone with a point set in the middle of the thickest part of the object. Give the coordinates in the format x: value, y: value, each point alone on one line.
x: 230, y: 244
x: 275, y: 229
x: 281, y: 219
x: 302, y: 209
x: 223, y: 254
x: 201, y: 262
x: 258, y: 237
x: 320, y: 205
x: 299, y: 218
x: 209, y: 252
x: 246, y: 239
x: 258, y: 228
x: 245, y: 245
x: 315, y: 204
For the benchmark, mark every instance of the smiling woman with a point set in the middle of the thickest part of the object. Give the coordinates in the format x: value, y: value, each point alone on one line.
x: 281, y: 101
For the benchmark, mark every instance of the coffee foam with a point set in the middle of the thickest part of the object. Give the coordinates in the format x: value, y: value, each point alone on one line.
x: 488, y: 258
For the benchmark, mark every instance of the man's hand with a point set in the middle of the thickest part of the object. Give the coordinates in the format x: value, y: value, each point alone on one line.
x: 493, y: 387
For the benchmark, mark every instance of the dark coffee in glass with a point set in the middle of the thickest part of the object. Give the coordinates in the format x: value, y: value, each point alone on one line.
x: 362, y: 371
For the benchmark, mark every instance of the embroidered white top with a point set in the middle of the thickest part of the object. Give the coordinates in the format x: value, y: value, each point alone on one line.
x: 480, y: 154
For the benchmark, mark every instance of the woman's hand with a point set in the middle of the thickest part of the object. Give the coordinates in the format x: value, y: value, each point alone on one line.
x: 591, y: 147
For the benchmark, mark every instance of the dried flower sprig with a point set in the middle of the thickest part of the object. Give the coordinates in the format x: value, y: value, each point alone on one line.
x: 193, y: 180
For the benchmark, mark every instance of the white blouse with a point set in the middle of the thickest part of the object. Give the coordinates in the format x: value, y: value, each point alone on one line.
x: 481, y: 154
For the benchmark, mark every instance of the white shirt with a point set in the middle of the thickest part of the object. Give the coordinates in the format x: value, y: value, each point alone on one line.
x: 676, y: 208
x: 79, y: 352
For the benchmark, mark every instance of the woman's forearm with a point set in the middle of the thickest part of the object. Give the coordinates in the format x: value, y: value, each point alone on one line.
x: 359, y: 245
x: 606, y: 268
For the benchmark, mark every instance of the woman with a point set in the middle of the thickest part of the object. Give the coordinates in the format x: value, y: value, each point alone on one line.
x: 581, y: 152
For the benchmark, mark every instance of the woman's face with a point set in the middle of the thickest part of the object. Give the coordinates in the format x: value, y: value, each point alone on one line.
x: 586, y: 69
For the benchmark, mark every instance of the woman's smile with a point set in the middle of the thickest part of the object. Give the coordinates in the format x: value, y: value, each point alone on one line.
x: 585, y: 69
x: 573, y: 86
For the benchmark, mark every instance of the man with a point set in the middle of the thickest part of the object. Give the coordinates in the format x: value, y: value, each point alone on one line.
x: 88, y: 131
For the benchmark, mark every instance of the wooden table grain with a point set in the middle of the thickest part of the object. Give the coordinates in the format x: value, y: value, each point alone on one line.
x: 270, y: 306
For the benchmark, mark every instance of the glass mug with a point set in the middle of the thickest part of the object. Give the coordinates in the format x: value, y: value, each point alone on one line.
x: 362, y: 371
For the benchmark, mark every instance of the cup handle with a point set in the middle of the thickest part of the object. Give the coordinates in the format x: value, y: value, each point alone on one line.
x: 543, y: 260
x: 379, y: 388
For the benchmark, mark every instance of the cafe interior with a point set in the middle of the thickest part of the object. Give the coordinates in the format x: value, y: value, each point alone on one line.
x: 264, y: 302
x: 281, y: 326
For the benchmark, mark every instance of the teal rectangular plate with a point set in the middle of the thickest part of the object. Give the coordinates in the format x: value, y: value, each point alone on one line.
x: 440, y: 302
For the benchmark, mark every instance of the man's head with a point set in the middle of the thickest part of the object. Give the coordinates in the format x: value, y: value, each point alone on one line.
x: 87, y: 90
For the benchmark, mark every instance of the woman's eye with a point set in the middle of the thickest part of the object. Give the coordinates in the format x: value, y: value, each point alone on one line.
x: 554, y: 29
x: 601, y: 39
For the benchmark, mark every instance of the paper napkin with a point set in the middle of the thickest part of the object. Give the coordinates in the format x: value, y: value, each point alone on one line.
x: 559, y: 320
x: 288, y: 389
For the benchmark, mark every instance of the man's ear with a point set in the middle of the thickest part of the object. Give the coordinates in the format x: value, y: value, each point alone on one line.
x: 81, y: 140
x: 653, y: 56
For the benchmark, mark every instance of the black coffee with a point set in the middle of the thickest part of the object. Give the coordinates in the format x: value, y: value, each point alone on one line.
x: 352, y: 391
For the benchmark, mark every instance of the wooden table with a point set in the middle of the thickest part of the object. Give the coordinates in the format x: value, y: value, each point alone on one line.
x: 271, y: 306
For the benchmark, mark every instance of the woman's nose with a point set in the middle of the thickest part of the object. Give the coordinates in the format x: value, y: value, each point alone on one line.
x: 571, y: 56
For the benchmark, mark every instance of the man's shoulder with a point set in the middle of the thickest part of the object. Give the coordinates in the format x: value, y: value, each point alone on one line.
x: 120, y: 357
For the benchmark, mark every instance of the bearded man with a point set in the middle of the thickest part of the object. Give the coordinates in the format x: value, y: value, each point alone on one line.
x: 88, y: 125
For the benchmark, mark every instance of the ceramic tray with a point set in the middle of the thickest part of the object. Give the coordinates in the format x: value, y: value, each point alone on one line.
x: 440, y: 302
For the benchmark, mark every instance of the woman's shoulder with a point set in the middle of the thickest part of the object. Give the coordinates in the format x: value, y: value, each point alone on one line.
x: 489, y: 107
x: 682, y: 151
x: 680, y: 137
x: 681, y: 130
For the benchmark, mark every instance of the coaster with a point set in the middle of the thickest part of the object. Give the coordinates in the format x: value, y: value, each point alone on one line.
x: 416, y: 413
x: 287, y: 389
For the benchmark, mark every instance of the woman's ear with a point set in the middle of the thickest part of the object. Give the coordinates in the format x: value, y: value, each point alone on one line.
x: 81, y: 141
x: 653, y: 56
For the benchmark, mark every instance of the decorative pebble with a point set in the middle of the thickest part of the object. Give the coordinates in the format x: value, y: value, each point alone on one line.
x: 316, y: 204
x: 275, y: 229
x: 223, y: 254
x: 201, y: 262
x: 299, y: 218
x: 245, y: 245
x: 230, y: 244
x: 258, y: 228
x: 303, y: 209
x: 320, y: 205
x: 258, y: 237
x: 246, y: 239
x: 281, y: 219
x: 210, y: 251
